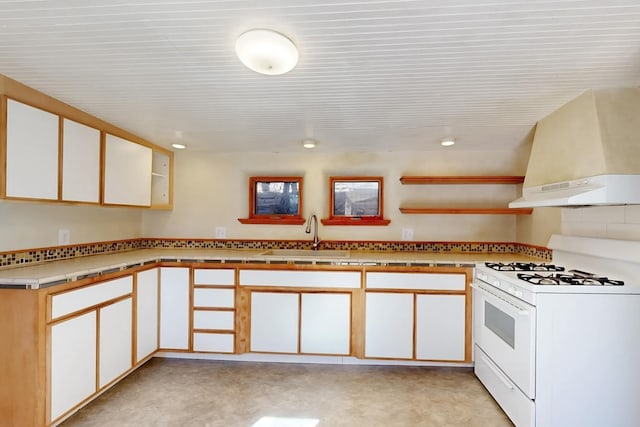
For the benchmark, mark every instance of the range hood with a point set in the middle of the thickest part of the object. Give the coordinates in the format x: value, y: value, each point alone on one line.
x: 586, y: 153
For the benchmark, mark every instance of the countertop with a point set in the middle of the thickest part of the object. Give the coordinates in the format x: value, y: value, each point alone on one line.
x: 56, y: 272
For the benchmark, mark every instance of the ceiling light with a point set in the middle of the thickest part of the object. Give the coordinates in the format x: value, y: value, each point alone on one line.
x: 447, y: 142
x: 266, y: 52
x: 309, y: 143
x: 179, y: 146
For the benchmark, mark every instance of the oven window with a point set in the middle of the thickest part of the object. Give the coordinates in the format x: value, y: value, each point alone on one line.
x: 500, y: 323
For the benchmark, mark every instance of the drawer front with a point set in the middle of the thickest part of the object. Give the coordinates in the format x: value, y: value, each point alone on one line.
x: 214, y: 298
x: 223, y: 320
x: 76, y: 300
x: 220, y: 277
x: 417, y: 281
x: 301, y: 279
x: 215, y: 343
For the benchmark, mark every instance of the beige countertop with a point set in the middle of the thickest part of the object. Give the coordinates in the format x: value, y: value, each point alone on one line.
x: 57, y: 272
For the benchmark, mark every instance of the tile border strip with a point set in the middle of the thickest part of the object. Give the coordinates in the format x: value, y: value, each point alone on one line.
x: 27, y: 257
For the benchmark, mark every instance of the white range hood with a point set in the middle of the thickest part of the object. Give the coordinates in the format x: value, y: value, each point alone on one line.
x: 591, y: 191
x: 586, y: 153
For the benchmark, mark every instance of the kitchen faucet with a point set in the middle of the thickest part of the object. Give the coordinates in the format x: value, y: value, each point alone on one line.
x: 316, y: 240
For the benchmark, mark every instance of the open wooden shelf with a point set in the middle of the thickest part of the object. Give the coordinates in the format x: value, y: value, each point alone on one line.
x: 460, y: 179
x: 470, y: 211
x: 425, y: 180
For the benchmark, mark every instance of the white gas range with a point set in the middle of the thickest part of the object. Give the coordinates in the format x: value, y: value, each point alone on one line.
x: 559, y: 344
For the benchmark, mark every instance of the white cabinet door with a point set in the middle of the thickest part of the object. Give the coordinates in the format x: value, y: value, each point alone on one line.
x: 73, y: 362
x: 32, y: 152
x: 115, y: 336
x: 146, y: 313
x: 80, y: 162
x: 274, y: 322
x: 389, y: 325
x: 174, y: 308
x: 325, y: 324
x: 127, y: 172
x: 440, y: 327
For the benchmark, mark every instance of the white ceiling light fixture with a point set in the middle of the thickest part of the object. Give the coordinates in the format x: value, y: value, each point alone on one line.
x: 179, y: 146
x: 309, y: 143
x: 447, y: 142
x: 266, y: 52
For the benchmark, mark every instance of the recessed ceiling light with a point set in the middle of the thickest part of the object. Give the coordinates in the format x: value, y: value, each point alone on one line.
x: 179, y: 146
x: 266, y: 52
x: 447, y: 142
x: 309, y: 143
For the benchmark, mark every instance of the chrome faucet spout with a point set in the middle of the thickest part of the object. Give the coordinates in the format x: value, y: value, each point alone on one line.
x: 316, y: 240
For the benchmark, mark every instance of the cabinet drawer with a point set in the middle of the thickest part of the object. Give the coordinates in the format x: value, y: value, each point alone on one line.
x: 216, y: 298
x: 220, y: 277
x: 417, y: 281
x: 217, y: 343
x: 213, y: 320
x: 76, y: 300
x: 304, y: 279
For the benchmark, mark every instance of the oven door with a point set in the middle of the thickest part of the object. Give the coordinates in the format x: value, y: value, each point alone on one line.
x: 504, y: 328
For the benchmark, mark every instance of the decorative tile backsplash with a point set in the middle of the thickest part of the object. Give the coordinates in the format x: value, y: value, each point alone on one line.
x: 36, y: 256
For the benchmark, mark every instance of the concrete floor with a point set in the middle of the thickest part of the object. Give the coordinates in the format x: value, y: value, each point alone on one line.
x: 174, y: 392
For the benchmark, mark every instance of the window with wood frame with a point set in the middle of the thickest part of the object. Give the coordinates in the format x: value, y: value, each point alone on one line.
x: 275, y: 200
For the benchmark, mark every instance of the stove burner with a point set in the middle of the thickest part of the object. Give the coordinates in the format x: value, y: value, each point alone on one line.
x: 523, y: 266
x: 574, y: 277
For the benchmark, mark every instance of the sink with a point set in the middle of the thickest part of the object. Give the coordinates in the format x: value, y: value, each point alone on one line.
x: 305, y: 253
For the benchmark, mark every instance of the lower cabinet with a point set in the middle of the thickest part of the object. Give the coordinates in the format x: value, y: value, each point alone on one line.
x: 146, y: 313
x: 73, y: 362
x: 174, y: 308
x: 388, y: 325
x: 116, y: 337
x: 274, y: 322
x: 298, y: 322
x: 440, y: 327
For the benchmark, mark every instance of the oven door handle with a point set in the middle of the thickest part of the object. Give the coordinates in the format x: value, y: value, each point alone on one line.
x: 507, y: 305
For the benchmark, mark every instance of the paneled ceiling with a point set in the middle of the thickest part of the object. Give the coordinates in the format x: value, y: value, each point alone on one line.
x: 375, y: 75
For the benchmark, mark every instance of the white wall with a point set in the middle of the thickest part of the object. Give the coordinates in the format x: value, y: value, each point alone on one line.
x: 211, y: 190
x: 613, y: 222
x: 26, y: 225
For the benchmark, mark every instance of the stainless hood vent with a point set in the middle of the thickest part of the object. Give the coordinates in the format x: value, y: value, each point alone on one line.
x: 586, y: 153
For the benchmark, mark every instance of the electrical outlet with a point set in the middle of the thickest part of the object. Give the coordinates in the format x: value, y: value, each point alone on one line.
x: 407, y: 234
x: 64, y: 236
x: 221, y: 232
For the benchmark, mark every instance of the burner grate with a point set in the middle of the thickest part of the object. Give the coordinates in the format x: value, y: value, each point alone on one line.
x: 571, y: 278
x: 522, y: 266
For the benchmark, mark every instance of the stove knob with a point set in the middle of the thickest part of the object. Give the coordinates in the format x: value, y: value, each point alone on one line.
x: 496, y: 283
x: 511, y: 290
x: 518, y: 294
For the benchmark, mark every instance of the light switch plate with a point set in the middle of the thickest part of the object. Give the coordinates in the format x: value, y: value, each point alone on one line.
x: 64, y: 236
x: 221, y: 232
x: 407, y: 234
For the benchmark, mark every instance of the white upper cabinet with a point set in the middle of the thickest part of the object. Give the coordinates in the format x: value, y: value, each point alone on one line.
x: 80, y: 162
x: 127, y: 172
x: 32, y: 152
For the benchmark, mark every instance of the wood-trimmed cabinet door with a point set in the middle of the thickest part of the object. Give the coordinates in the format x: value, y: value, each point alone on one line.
x: 440, y: 327
x: 325, y: 323
x: 175, y: 309
x: 388, y: 325
x: 80, y: 162
x: 116, y: 338
x: 31, y: 152
x: 274, y: 322
x: 146, y: 313
x: 73, y: 362
x: 127, y: 172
